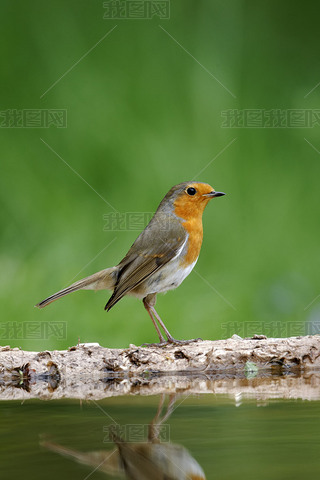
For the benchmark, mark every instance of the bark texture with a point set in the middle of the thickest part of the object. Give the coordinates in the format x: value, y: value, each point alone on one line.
x: 276, y: 366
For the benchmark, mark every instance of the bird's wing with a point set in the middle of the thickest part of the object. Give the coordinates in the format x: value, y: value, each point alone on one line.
x: 148, y: 254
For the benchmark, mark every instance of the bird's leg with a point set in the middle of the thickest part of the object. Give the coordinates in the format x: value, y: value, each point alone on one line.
x: 148, y: 308
x: 149, y: 302
x: 152, y: 429
x: 169, y: 336
x: 162, y: 325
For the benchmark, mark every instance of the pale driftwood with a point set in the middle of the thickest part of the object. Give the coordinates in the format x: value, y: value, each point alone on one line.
x: 92, y: 371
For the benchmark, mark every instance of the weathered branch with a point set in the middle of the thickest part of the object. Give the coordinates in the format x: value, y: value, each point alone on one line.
x: 92, y: 371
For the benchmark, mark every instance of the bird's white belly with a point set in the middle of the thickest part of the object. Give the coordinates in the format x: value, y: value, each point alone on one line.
x: 169, y: 277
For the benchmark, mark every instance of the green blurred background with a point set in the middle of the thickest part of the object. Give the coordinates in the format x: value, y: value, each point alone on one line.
x: 143, y: 114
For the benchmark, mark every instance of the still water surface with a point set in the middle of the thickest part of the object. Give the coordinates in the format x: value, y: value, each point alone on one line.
x: 161, y: 437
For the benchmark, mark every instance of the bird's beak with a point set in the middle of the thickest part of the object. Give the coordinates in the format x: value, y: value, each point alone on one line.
x: 214, y: 194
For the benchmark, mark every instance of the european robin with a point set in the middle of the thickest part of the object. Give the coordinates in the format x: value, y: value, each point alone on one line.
x: 162, y: 256
x: 138, y: 459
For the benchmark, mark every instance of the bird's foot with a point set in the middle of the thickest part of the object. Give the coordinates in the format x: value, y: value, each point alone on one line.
x: 160, y: 344
x: 171, y: 341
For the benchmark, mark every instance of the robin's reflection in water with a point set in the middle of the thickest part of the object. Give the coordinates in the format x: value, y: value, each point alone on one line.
x: 148, y: 460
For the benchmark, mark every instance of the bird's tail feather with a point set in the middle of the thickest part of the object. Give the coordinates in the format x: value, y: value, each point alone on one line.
x: 105, y: 279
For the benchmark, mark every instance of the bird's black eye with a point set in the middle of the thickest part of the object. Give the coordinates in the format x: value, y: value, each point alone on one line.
x: 191, y: 191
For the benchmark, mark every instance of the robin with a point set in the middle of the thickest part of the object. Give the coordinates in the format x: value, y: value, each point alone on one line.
x: 154, y: 457
x: 162, y: 256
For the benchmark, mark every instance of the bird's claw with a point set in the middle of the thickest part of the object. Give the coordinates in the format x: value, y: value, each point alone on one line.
x: 160, y: 344
x: 172, y: 341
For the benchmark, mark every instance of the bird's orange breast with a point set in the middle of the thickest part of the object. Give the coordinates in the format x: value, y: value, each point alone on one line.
x: 194, y: 229
x: 191, y: 215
